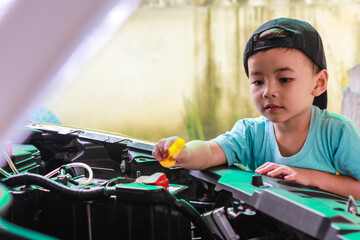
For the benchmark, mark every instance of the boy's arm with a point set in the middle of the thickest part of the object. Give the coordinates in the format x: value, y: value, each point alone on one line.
x: 197, y: 155
x: 339, y: 184
x: 342, y: 185
x: 203, y: 154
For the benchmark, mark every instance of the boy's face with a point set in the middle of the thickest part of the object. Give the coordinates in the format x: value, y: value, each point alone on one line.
x: 282, y: 82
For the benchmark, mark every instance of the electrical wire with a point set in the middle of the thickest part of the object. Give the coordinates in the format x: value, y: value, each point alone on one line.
x: 11, y: 163
x: 118, y: 180
x: 79, y: 194
x: 5, y: 173
x: 74, y: 164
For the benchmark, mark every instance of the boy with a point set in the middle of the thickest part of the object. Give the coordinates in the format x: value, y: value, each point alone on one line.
x: 293, y: 139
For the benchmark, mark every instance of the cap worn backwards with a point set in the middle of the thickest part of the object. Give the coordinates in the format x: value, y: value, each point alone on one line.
x: 301, y: 35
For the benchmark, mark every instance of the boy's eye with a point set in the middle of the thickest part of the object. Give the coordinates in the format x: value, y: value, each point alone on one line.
x: 285, y: 80
x: 257, y: 82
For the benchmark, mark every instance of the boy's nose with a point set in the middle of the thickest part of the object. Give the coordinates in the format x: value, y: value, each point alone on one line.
x: 271, y: 90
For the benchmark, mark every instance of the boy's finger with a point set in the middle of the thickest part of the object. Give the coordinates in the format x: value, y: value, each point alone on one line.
x: 155, y: 153
x: 279, y: 172
x: 158, y: 151
x: 290, y: 177
x: 164, y: 148
x: 266, y: 167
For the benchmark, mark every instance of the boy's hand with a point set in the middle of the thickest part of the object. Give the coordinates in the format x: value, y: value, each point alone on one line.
x: 160, y: 151
x: 342, y: 184
x: 298, y: 175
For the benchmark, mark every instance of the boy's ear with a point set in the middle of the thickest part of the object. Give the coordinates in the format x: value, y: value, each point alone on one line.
x: 321, y: 80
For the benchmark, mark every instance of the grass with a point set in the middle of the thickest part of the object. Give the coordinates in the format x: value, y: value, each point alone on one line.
x: 192, y: 121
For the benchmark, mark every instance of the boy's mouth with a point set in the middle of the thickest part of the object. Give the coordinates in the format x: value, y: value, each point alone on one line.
x: 272, y: 107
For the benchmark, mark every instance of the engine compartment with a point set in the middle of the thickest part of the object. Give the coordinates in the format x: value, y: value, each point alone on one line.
x: 75, y: 184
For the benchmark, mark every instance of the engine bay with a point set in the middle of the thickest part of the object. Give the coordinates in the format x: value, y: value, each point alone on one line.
x: 66, y: 183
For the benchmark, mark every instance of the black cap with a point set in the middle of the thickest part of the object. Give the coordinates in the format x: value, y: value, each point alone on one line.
x: 302, y: 36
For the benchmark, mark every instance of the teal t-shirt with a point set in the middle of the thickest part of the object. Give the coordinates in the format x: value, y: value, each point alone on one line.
x: 332, y: 144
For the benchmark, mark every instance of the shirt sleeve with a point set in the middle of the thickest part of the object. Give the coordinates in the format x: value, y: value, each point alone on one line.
x: 238, y: 144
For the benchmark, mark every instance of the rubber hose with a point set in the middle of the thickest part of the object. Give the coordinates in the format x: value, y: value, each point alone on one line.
x: 35, y: 179
x: 190, y: 212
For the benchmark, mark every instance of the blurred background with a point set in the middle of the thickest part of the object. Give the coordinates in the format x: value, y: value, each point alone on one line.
x: 175, y: 66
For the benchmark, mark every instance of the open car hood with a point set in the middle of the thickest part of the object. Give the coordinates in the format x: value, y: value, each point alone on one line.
x: 61, y: 182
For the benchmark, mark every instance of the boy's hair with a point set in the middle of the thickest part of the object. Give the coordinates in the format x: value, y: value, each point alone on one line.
x: 289, y: 33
